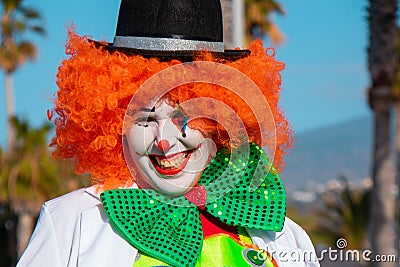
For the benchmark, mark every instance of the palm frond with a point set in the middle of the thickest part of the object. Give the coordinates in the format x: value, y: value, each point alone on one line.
x: 30, y: 13
x: 28, y: 174
x: 258, y: 22
x: 17, y: 21
x: 37, y: 29
x: 344, y: 214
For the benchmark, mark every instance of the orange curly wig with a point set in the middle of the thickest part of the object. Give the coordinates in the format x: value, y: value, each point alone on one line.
x: 95, y: 88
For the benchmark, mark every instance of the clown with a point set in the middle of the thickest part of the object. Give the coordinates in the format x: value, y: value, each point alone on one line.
x: 170, y: 127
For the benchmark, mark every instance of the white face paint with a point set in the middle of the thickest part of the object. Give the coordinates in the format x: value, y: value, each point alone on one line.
x: 169, y: 155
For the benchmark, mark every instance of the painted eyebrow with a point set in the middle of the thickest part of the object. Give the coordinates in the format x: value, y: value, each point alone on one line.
x: 146, y: 118
x: 153, y: 109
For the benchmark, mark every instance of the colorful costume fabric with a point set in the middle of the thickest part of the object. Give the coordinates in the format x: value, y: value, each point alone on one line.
x: 221, y: 250
x: 73, y: 230
x: 242, y: 190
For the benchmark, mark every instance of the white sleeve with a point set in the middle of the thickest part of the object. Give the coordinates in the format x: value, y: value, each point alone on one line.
x: 305, y: 244
x: 43, y: 247
x: 291, y: 247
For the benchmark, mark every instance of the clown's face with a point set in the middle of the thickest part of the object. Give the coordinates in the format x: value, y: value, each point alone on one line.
x: 169, y: 156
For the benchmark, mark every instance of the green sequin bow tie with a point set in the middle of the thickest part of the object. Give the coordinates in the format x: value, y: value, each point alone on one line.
x: 243, y: 189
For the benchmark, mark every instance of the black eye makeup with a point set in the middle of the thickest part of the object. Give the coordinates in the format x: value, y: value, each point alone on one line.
x: 145, y: 120
x: 145, y: 117
x: 153, y: 109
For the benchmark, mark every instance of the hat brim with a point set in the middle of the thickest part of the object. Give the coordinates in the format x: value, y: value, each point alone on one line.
x: 184, y: 56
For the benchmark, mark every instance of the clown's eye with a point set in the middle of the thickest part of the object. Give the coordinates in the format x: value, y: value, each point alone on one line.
x: 145, y: 121
x: 179, y: 118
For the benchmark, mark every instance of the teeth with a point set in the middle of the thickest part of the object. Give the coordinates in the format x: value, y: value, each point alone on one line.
x: 173, y: 162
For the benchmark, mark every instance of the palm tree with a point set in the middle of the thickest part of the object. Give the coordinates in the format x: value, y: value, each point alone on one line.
x: 227, y: 12
x: 382, y: 64
x: 29, y: 176
x: 344, y: 214
x: 258, y: 22
x: 16, y: 21
x: 396, y: 93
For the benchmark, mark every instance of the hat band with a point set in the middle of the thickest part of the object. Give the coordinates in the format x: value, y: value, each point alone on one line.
x: 166, y: 44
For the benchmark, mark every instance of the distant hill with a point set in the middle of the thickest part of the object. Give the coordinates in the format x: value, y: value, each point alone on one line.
x: 327, y: 153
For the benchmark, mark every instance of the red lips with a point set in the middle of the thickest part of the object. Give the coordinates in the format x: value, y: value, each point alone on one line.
x: 171, y: 164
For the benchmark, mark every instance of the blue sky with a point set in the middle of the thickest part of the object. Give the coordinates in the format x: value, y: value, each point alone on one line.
x: 325, y: 55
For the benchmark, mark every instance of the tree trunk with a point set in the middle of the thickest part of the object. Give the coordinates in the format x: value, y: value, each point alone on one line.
x: 238, y: 10
x: 397, y: 203
x: 228, y: 25
x: 382, y: 64
x: 382, y: 216
x: 10, y: 109
x: 10, y: 255
x: 25, y: 225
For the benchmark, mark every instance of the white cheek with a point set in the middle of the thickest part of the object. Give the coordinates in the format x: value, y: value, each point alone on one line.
x: 140, y: 139
x: 200, y: 157
x: 193, y: 138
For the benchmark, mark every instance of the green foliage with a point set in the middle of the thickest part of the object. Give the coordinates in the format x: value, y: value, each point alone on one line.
x: 28, y: 177
x: 258, y: 22
x: 28, y: 174
x: 17, y: 21
x: 344, y: 214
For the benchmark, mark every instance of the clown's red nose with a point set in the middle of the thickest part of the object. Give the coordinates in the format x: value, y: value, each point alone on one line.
x: 163, y: 145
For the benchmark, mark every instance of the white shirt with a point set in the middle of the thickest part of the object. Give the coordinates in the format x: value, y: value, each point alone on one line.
x: 73, y: 230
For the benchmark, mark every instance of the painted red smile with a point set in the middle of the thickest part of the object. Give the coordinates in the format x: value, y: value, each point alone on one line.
x: 171, y: 164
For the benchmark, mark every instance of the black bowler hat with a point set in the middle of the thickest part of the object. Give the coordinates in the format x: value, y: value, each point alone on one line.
x: 169, y: 29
